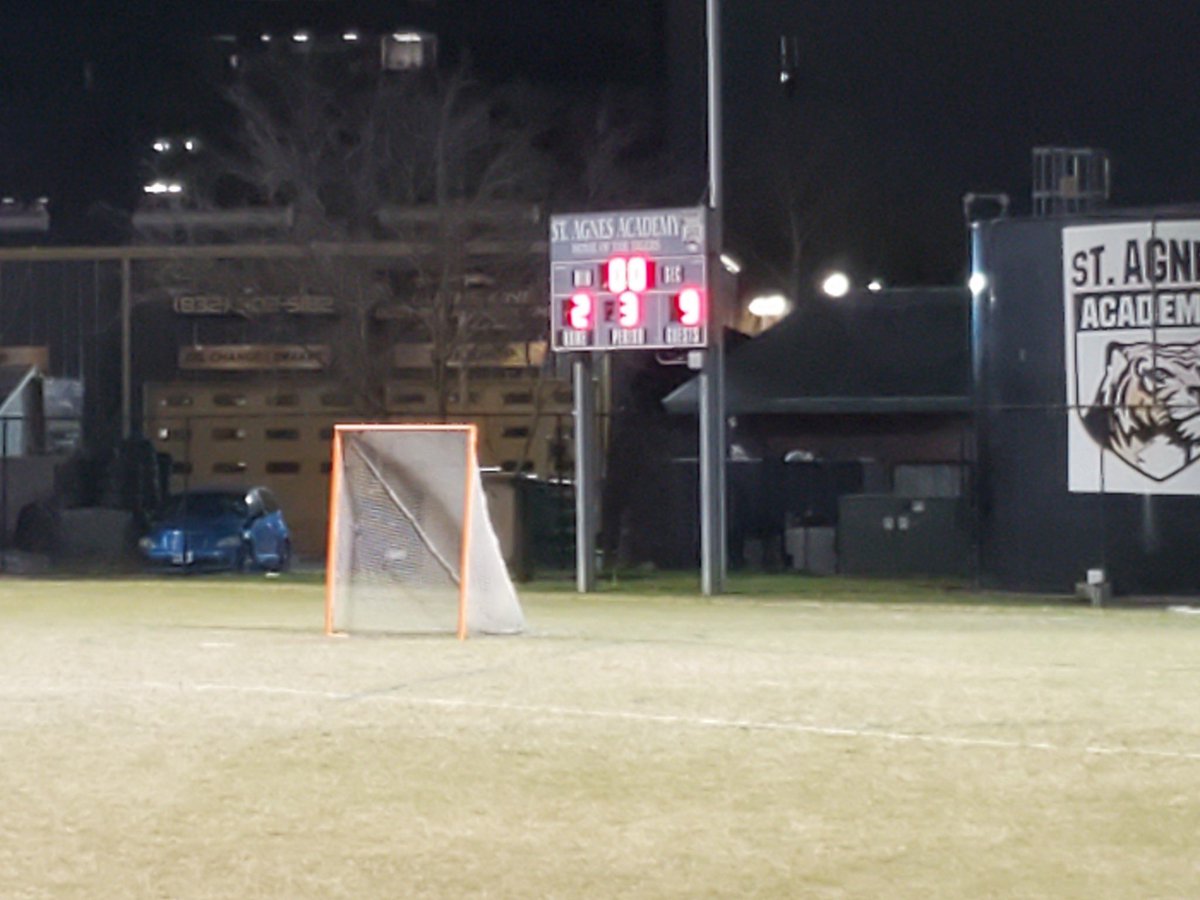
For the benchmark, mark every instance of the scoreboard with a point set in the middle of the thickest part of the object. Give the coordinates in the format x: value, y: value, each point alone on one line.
x: 629, y: 280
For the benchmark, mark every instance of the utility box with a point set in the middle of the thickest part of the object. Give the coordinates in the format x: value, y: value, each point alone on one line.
x: 813, y: 549
x: 882, y: 534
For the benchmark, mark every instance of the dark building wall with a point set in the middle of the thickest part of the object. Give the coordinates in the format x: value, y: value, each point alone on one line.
x: 1035, y: 533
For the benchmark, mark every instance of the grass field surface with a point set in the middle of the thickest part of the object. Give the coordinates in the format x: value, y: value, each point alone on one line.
x: 199, y: 737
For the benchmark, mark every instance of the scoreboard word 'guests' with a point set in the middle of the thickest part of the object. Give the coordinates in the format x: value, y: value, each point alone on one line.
x: 629, y: 280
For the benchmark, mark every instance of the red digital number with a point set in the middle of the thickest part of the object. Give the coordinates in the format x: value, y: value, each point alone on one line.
x: 629, y: 310
x: 689, y: 307
x: 616, y: 274
x: 628, y: 273
x: 638, y: 274
x: 580, y: 311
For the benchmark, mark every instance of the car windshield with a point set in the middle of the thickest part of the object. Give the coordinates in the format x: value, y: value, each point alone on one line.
x: 206, y: 505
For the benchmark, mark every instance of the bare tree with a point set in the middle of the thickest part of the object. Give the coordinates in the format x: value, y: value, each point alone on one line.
x: 433, y: 162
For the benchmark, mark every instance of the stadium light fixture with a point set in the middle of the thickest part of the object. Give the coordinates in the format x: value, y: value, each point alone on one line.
x: 163, y: 187
x: 769, y: 306
x: 978, y: 283
x: 874, y: 285
x: 836, y: 284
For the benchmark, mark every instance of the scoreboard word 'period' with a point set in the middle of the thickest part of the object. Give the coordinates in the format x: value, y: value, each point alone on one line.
x: 629, y: 280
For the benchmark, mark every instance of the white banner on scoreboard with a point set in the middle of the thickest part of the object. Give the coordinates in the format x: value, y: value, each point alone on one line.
x: 1132, y: 326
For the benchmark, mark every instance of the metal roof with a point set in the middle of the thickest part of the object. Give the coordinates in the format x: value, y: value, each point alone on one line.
x: 891, y: 351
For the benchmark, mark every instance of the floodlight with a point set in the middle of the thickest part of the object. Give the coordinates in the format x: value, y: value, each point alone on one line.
x: 836, y: 284
x: 769, y: 306
x: 163, y: 187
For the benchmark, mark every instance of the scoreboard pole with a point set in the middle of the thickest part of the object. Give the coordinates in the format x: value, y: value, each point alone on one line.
x: 712, y: 471
x: 586, y: 501
x: 712, y: 373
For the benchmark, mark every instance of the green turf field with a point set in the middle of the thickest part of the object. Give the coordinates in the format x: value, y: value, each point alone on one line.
x: 199, y: 737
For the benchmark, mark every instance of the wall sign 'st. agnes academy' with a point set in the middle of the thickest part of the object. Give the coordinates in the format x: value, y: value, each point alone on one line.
x: 1132, y: 327
x: 629, y: 280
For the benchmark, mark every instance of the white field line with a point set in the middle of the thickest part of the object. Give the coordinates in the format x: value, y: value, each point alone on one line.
x: 566, y: 712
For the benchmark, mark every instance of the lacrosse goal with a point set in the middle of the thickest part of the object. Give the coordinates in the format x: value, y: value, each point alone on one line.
x: 411, y: 547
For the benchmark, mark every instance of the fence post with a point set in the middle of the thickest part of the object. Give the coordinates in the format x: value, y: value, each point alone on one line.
x: 126, y: 347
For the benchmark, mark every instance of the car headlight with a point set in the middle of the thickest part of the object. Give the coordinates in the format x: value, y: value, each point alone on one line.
x: 232, y: 541
x: 146, y: 543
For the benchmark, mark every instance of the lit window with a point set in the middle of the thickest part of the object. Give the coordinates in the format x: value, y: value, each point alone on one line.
x: 407, y: 50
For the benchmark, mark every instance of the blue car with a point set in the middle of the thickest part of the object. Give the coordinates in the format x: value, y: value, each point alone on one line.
x: 220, y: 528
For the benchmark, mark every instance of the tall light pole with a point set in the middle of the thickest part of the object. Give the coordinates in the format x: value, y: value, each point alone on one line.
x: 712, y: 372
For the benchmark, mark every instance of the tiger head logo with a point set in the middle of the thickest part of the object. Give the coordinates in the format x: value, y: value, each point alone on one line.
x: 1147, y: 406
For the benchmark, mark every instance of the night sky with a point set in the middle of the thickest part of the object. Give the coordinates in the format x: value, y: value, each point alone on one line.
x: 925, y: 100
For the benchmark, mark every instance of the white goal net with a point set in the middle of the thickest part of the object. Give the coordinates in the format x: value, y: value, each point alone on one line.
x: 411, y: 546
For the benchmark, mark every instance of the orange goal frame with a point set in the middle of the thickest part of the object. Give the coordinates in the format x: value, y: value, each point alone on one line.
x: 471, y: 433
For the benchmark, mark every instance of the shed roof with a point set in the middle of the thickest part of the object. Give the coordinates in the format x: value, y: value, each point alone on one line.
x: 892, y: 351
